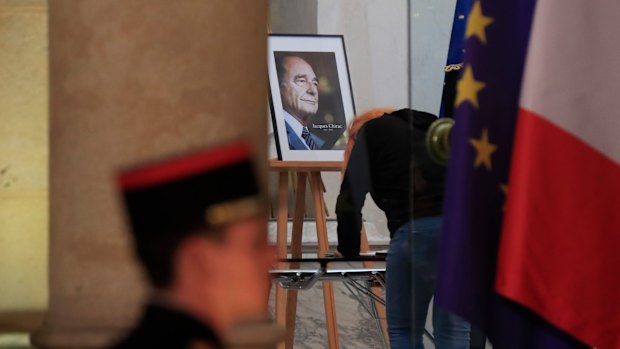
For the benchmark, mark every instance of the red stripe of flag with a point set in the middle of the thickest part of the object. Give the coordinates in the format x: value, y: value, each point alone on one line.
x: 560, y: 247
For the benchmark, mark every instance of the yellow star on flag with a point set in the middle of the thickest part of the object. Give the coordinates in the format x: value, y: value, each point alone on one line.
x: 477, y: 23
x: 467, y: 88
x: 484, y: 149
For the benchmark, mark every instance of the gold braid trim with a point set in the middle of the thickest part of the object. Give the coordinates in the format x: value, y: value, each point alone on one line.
x: 230, y: 211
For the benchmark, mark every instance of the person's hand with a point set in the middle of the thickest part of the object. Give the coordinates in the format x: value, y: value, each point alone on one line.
x: 334, y: 254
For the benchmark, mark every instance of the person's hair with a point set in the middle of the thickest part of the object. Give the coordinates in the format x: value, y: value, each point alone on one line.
x: 157, y: 258
x: 356, y: 125
x: 157, y: 255
x: 280, y: 69
x: 280, y: 57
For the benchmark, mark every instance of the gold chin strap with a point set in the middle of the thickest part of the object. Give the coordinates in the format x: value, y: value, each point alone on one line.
x: 227, y: 212
x: 452, y: 67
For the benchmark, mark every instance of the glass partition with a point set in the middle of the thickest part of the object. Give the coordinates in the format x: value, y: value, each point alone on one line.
x: 385, y: 199
x: 436, y: 60
x: 376, y: 47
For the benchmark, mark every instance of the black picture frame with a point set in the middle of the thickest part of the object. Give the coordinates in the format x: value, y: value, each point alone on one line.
x: 335, y: 108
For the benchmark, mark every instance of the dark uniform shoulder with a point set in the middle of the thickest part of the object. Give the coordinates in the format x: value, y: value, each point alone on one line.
x: 198, y: 344
x: 166, y: 328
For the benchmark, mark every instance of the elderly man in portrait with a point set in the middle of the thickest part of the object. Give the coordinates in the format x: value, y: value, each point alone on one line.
x: 300, y: 100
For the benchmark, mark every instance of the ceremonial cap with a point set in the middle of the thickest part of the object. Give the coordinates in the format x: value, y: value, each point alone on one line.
x: 191, y: 192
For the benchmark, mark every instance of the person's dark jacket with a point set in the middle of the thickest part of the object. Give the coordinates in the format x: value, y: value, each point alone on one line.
x: 165, y: 328
x: 389, y: 161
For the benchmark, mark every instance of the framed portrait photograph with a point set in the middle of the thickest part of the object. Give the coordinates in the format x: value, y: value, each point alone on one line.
x: 311, y: 99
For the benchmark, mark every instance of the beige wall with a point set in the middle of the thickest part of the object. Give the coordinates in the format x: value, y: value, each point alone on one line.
x: 23, y: 155
x: 431, y: 27
x: 375, y: 35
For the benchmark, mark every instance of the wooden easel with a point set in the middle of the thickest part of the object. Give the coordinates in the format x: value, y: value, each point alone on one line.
x: 286, y: 300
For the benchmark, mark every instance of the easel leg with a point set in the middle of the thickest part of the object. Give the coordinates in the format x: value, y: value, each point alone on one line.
x: 298, y: 221
x: 321, y: 228
x: 281, y: 241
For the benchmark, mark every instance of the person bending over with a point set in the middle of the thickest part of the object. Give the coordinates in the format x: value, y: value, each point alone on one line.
x: 388, y: 159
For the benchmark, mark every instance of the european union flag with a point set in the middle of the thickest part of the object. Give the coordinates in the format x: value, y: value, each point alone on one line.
x: 457, y: 47
x: 455, y: 57
x: 496, y: 38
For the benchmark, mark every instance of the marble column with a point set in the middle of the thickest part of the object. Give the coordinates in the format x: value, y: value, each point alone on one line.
x: 132, y: 81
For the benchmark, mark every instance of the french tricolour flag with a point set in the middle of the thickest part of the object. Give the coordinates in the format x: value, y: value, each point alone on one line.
x: 560, y: 245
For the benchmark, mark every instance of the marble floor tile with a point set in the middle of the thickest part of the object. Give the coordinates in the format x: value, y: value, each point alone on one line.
x: 356, y: 327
